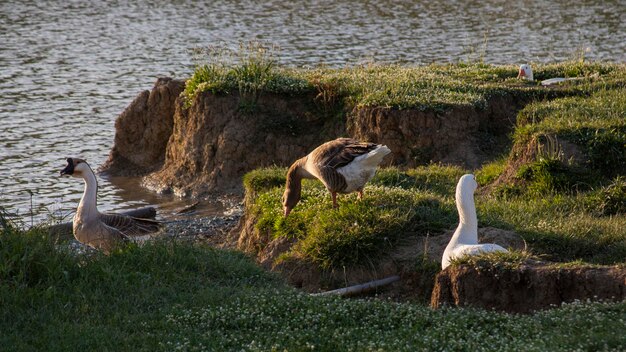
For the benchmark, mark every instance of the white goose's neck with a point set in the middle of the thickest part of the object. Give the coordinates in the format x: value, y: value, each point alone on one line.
x: 467, y: 232
x: 87, y: 207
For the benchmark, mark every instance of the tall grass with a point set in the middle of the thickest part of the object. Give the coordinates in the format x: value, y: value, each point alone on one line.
x: 248, y: 70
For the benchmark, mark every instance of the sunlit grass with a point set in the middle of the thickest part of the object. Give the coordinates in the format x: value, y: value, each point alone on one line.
x: 356, y: 232
x: 416, y: 202
x: 254, y: 69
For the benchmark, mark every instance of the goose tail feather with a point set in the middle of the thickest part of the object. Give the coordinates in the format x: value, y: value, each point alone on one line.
x: 376, y: 156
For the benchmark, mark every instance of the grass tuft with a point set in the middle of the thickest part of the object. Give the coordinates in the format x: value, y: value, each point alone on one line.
x: 358, y: 232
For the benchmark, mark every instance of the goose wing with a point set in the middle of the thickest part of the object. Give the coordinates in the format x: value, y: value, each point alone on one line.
x: 130, y: 226
x: 335, y: 154
x: 340, y: 152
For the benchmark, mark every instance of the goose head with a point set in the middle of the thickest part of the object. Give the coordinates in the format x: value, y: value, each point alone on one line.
x: 465, y: 188
x: 525, y: 72
x: 76, y: 168
x: 291, y: 197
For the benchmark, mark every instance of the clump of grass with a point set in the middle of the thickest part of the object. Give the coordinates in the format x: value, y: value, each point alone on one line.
x: 610, y: 199
x: 495, y: 262
x: 490, y: 171
x: 395, y: 205
x: 357, y: 232
x: 30, y: 258
x: 548, y: 175
x: 250, y: 70
x: 263, y: 179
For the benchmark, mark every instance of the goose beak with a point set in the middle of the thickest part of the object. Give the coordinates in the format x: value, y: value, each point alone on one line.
x: 69, y: 169
x: 521, y: 73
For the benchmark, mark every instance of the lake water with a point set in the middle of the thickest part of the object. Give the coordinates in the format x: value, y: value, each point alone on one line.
x: 68, y: 68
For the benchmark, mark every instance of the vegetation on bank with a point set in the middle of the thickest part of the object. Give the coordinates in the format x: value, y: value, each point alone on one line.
x: 254, y: 70
x: 168, y: 296
x: 568, y: 205
x: 399, y: 205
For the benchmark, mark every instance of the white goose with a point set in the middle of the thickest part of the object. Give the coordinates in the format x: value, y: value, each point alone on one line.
x: 343, y: 165
x: 103, y: 231
x: 526, y: 72
x: 465, y: 238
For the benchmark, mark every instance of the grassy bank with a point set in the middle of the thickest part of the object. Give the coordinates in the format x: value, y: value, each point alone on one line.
x: 170, y: 296
x: 253, y: 71
x: 399, y: 205
x: 561, y: 187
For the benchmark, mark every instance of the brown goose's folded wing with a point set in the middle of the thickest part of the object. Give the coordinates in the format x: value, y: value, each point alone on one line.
x: 340, y: 152
x: 130, y: 226
x: 332, y: 155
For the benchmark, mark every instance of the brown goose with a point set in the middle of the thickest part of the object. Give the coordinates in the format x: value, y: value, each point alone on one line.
x: 343, y: 165
x: 103, y: 231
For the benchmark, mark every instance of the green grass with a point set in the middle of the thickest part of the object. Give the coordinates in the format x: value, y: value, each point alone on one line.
x: 254, y: 69
x: 359, y: 231
x: 178, y: 296
x: 595, y: 124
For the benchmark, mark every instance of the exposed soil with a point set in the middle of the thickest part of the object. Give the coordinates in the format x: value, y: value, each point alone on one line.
x: 209, y: 146
x: 143, y: 129
x: 464, y: 135
x: 531, y: 287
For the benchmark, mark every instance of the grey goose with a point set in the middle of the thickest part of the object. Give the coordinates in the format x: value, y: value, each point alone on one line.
x: 101, y: 230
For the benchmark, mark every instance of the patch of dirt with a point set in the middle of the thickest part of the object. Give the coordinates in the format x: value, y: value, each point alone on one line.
x: 531, y: 287
x: 142, y: 131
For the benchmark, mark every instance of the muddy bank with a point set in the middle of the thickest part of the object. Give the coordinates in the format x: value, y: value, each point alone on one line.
x: 210, y: 145
x: 463, y: 135
x: 143, y: 129
x: 216, y: 141
x: 528, y: 288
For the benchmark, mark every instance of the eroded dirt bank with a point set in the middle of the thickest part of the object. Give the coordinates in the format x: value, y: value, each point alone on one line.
x: 210, y: 145
x: 143, y: 129
x: 527, y: 288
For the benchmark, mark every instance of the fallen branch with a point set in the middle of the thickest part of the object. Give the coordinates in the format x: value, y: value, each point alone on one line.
x: 64, y: 230
x: 361, y: 288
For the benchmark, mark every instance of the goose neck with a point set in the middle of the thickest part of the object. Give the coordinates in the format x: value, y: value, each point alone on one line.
x: 467, y: 210
x: 298, y: 171
x: 87, y: 207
